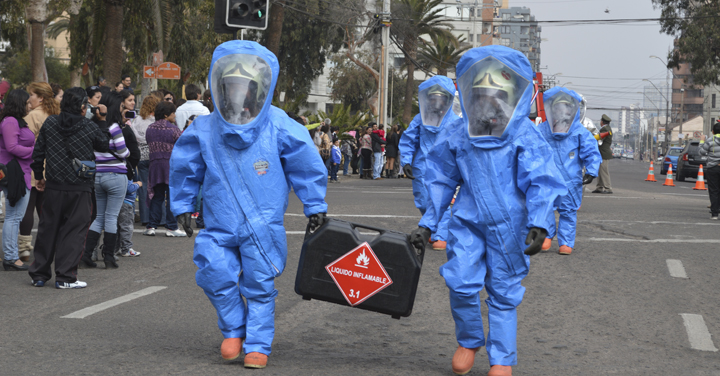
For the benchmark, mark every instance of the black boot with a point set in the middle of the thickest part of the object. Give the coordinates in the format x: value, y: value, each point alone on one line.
x: 108, y: 251
x: 91, y: 241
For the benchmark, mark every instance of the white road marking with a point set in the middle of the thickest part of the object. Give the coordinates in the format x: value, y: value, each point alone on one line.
x: 684, y: 194
x: 85, y: 312
x: 303, y: 233
x: 360, y: 215
x: 404, y: 193
x: 656, y: 222
x: 676, y: 268
x: 700, y: 241
x: 698, y: 333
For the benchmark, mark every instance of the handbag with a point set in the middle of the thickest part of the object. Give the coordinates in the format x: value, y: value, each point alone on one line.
x: 83, y: 169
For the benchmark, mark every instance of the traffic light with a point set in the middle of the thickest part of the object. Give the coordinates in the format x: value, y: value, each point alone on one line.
x: 231, y: 15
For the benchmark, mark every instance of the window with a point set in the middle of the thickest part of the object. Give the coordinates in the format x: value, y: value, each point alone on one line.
x: 712, y: 121
x: 506, y: 29
x: 506, y: 16
x: 471, y: 37
x: 524, y: 30
x: 505, y: 42
x: 712, y: 101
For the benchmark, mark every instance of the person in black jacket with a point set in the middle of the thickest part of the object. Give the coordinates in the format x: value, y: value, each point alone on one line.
x: 67, y: 207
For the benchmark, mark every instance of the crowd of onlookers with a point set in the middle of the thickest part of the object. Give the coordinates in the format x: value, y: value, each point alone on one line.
x: 367, y: 150
x: 84, y: 160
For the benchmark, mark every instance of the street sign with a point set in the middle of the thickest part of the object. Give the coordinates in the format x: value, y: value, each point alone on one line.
x: 148, y: 71
x: 697, y: 134
x: 359, y: 274
x: 158, y: 58
x: 168, y: 71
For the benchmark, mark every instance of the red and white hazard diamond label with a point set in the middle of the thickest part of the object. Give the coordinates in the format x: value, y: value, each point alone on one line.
x: 359, y: 274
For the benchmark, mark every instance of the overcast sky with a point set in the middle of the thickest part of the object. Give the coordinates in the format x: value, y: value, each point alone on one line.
x: 606, y: 52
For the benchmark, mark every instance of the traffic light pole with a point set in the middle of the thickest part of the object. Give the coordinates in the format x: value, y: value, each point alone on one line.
x: 385, y: 51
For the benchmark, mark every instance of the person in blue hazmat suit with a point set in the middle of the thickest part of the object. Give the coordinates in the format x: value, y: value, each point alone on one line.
x: 435, y: 99
x: 574, y: 148
x: 247, y: 155
x: 508, y: 183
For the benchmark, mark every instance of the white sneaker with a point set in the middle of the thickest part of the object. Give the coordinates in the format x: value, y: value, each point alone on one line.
x: 67, y: 285
x: 176, y: 234
x: 149, y: 232
x: 130, y: 253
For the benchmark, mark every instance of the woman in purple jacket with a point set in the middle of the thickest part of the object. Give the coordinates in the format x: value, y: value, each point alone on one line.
x: 161, y: 137
x: 16, y: 148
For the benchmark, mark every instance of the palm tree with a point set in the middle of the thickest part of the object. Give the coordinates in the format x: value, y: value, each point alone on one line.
x: 114, y: 55
x: 413, y: 19
x: 443, y: 53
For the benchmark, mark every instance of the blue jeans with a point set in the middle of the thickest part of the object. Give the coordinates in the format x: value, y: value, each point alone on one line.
x: 378, y: 165
x: 11, y: 227
x: 143, y: 168
x: 110, y: 189
x: 348, y: 157
x: 161, y: 192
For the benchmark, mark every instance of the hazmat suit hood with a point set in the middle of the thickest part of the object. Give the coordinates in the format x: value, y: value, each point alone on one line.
x: 494, y: 84
x: 435, y: 99
x: 563, y: 108
x: 242, y: 79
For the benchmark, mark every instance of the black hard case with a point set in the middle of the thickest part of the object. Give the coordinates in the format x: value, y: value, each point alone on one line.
x: 335, y: 238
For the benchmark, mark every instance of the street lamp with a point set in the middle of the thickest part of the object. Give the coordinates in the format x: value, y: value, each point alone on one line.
x: 651, y: 140
x: 567, y: 83
x: 668, y: 132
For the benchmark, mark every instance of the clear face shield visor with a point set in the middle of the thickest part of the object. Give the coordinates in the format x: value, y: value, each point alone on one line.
x: 490, y: 92
x: 240, y: 85
x: 563, y: 109
x: 434, y: 103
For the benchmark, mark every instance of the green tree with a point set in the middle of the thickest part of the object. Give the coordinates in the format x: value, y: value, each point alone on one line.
x: 17, y: 69
x: 696, y: 26
x: 308, y: 37
x: 351, y: 84
x: 443, y: 53
x: 414, y: 19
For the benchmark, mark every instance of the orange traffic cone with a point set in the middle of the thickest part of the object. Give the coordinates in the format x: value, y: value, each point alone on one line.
x: 700, y: 183
x: 669, y: 179
x: 651, y: 173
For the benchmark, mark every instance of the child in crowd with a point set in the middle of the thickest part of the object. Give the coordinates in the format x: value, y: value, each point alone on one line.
x: 126, y: 221
x: 336, y: 159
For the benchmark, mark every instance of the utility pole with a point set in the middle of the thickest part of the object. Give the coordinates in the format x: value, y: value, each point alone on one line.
x: 384, y: 57
x: 682, y: 114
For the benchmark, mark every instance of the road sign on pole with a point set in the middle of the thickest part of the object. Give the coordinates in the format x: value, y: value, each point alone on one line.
x: 168, y: 71
x: 148, y: 71
x: 158, y: 58
x: 359, y: 274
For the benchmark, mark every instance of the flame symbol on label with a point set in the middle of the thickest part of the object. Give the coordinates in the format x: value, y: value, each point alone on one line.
x: 362, y: 260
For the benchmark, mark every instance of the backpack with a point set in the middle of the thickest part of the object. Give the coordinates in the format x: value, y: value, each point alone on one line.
x: 345, y: 148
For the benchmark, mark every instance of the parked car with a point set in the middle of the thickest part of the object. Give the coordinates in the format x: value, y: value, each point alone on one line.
x: 629, y: 155
x: 671, y: 158
x: 689, y: 161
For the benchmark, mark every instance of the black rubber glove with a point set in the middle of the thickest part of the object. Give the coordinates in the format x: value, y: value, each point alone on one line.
x: 407, y: 170
x: 587, y: 179
x: 536, y: 236
x: 185, y: 220
x: 316, y: 220
x: 420, y: 237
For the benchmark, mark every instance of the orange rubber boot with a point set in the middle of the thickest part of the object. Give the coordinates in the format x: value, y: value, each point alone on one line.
x: 255, y: 360
x: 565, y: 250
x: 230, y: 348
x: 546, y: 244
x: 498, y: 370
x: 439, y: 245
x: 463, y: 360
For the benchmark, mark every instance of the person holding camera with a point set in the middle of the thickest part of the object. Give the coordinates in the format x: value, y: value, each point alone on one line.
x: 66, y: 143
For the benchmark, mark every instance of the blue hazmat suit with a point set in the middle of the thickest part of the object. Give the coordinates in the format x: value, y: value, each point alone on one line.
x: 247, y: 155
x: 573, y: 148
x: 417, y: 140
x: 508, y: 184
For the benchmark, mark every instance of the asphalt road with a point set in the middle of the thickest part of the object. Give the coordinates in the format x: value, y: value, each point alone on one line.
x: 612, y: 307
